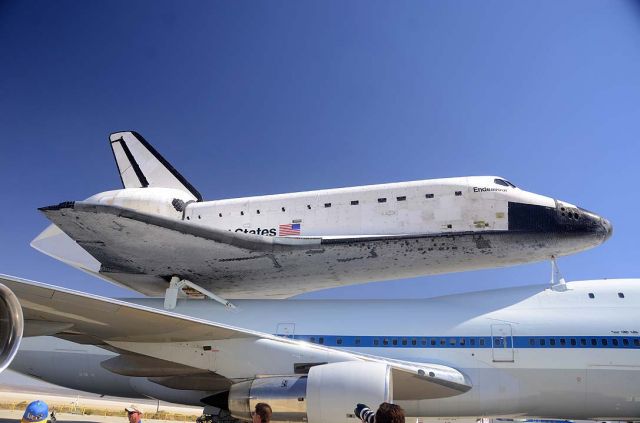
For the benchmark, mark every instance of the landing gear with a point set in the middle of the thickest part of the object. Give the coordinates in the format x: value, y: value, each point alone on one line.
x: 176, y: 286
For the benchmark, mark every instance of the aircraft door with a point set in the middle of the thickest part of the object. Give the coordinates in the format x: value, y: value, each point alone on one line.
x: 286, y: 330
x: 502, y: 342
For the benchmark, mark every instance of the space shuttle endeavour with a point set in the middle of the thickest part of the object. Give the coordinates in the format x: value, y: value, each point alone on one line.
x: 158, y: 229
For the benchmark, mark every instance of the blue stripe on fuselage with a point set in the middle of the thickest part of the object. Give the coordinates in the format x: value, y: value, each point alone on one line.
x: 618, y: 342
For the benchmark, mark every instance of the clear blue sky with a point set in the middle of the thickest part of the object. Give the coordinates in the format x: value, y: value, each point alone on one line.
x: 249, y: 98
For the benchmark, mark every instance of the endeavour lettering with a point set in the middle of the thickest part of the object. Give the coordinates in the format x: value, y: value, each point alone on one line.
x: 486, y: 189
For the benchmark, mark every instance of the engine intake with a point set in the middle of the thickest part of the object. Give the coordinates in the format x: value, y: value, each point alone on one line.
x: 11, y: 326
x: 327, y: 394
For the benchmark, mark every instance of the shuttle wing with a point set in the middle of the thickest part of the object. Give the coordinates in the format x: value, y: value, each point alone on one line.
x: 144, y: 251
x: 188, y: 340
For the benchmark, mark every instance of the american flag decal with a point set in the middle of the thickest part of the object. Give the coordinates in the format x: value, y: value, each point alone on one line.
x: 289, y: 229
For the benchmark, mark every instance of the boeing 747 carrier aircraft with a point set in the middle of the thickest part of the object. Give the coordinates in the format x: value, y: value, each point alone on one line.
x: 571, y: 351
x: 158, y: 229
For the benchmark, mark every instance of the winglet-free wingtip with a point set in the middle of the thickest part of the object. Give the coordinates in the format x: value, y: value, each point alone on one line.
x: 141, y: 166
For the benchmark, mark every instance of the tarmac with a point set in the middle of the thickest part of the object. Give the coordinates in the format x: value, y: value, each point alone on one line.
x: 14, y: 416
x: 57, y: 400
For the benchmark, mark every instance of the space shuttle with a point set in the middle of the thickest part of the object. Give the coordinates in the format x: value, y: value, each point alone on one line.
x: 158, y: 233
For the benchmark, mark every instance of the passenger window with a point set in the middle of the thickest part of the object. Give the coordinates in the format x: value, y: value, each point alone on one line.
x: 339, y: 341
x: 636, y: 342
x: 604, y: 342
x: 321, y: 340
x: 433, y: 342
x: 543, y: 341
x: 583, y: 342
x: 452, y: 341
x: 312, y: 339
x: 385, y: 341
x: 625, y: 342
x: 414, y: 341
x: 563, y: 342
x: 594, y: 341
x: 532, y: 342
x: 394, y: 342
x: 404, y: 342
x: 472, y: 342
x: 615, y: 342
x: 357, y: 341
x: 424, y: 341
x: 573, y: 342
x: 462, y: 342
x: 552, y: 342
x: 482, y: 342
x: 376, y: 342
x: 443, y: 342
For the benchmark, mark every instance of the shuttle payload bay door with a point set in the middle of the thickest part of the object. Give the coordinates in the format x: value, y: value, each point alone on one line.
x: 502, y: 342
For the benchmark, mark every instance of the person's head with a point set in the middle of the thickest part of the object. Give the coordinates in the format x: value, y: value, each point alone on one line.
x: 133, y: 413
x: 36, y: 412
x: 389, y: 413
x: 262, y: 413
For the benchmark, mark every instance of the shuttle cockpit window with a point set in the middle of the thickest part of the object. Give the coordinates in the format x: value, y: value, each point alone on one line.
x: 503, y: 182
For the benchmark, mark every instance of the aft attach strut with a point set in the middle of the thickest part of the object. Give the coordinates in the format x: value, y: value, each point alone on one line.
x: 175, y: 288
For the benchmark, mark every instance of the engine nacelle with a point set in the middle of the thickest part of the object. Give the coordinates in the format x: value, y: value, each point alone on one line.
x: 328, y: 394
x: 11, y: 326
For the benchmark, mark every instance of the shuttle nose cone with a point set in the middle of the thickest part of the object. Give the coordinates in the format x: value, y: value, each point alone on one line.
x: 608, y: 228
x: 587, y: 222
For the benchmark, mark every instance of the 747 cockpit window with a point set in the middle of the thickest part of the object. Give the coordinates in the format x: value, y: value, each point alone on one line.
x: 503, y: 182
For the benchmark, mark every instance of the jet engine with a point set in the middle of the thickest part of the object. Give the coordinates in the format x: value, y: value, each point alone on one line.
x: 11, y: 326
x: 327, y: 394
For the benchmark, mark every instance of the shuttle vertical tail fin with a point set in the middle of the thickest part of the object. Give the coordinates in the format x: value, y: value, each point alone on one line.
x: 141, y: 166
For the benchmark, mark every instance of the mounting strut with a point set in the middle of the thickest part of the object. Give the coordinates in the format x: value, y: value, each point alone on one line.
x: 175, y: 288
x: 557, y: 281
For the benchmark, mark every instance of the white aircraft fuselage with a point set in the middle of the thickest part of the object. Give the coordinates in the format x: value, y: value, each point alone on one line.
x: 530, y: 351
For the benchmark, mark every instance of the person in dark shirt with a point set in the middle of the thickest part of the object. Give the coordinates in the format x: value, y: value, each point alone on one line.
x: 387, y: 413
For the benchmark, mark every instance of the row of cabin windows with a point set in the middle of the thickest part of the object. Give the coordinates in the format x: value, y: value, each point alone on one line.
x: 353, y: 203
x: 472, y: 342
x: 594, y: 342
x: 592, y: 295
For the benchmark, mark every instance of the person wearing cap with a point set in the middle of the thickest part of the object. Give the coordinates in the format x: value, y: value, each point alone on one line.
x: 36, y: 412
x: 134, y: 414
